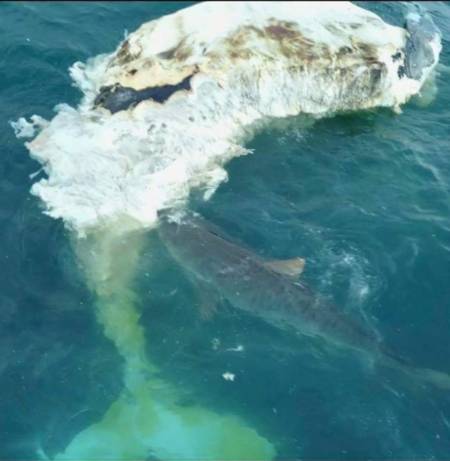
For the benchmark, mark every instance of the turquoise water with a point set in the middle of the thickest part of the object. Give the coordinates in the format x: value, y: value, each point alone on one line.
x: 363, y: 197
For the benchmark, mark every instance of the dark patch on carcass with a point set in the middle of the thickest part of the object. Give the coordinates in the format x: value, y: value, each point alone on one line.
x: 124, y: 55
x: 292, y: 43
x: 401, y: 71
x: 368, y: 51
x: 335, y: 29
x: 396, y: 56
x: 116, y: 97
x: 343, y: 51
x: 238, y: 44
x: 355, y: 25
x: 167, y: 54
x: 281, y: 31
x: 182, y: 53
x: 285, y: 35
x: 376, y: 73
x: 179, y: 52
x: 255, y: 30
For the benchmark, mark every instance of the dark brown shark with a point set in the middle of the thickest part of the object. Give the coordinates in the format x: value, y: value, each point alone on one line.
x: 271, y: 291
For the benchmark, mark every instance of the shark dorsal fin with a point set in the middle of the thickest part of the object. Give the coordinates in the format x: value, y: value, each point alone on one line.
x: 290, y: 267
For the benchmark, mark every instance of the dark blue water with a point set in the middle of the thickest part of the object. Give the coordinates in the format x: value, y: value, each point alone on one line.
x: 363, y: 197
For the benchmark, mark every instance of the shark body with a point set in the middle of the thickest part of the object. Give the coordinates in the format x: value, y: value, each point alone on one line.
x: 271, y: 291
x: 267, y: 289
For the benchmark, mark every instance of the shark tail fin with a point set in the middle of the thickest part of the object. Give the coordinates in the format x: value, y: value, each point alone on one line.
x: 439, y: 379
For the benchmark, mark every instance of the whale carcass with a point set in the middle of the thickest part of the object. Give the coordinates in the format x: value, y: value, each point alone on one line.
x: 177, y: 99
x: 314, y: 58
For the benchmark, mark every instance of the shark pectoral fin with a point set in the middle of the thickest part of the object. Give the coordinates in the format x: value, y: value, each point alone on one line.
x: 208, y: 299
x: 207, y: 308
x: 290, y: 267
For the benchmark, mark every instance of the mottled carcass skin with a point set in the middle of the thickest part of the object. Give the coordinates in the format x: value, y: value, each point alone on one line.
x: 340, y: 57
x: 181, y: 96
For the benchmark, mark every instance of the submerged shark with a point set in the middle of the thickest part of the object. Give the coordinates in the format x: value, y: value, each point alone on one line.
x: 271, y: 290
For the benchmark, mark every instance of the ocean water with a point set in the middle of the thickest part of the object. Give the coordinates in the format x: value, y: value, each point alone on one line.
x: 363, y: 197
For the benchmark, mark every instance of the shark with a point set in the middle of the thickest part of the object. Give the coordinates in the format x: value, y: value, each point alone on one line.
x: 273, y: 291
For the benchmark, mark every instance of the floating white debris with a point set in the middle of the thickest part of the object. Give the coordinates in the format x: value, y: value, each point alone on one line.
x: 24, y: 129
x: 227, y: 376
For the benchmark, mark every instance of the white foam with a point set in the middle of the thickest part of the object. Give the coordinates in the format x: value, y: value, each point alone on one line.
x: 24, y: 129
x: 103, y: 167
